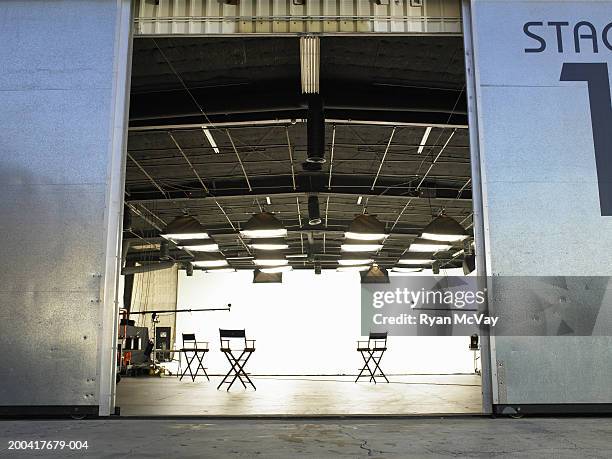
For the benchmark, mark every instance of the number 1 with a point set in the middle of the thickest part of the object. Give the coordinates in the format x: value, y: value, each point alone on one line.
x: 597, y: 78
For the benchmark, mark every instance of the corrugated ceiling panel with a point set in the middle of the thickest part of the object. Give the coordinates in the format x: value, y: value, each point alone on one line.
x: 202, y: 17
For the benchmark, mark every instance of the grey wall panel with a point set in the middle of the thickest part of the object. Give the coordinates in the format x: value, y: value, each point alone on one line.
x: 540, y: 184
x: 49, y: 44
x: 53, y: 357
x: 57, y: 93
x: 63, y: 127
x: 555, y: 369
x: 43, y: 248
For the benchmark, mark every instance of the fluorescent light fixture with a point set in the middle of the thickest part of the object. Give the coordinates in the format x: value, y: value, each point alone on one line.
x: 210, y: 263
x: 211, y: 140
x: 270, y: 246
x: 364, y: 236
x: 263, y: 225
x: 366, y: 227
x: 356, y: 261
x: 298, y: 255
x: 185, y: 227
x: 268, y: 201
x: 201, y: 247
x: 255, y: 234
x: 310, y: 63
x: 424, y: 140
x: 239, y: 258
x: 352, y: 268
x: 276, y: 269
x: 445, y: 229
x: 270, y: 262
x: 359, y: 199
x: 427, y: 247
x: 399, y: 269
x: 360, y: 247
x: 415, y: 261
x: 444, y: 237
x: 183, y: 236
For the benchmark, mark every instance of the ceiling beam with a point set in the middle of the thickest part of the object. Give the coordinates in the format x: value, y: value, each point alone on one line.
x: 349, y: 184
x: 279, y: 95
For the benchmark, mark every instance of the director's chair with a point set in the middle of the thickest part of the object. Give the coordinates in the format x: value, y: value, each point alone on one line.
x: 198, y: 349
x: 236, y: 356
x: 372, y: 352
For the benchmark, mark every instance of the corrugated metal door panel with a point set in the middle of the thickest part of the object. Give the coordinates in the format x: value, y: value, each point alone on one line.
x: 198, y: 17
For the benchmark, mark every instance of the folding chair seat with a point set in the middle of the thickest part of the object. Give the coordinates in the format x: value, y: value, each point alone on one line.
x: 238, y: 350
x: 198, y: 350
x: 372, y: 352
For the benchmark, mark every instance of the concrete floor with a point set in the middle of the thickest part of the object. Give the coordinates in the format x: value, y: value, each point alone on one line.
x: 391, y: 438
x: 301, y: 395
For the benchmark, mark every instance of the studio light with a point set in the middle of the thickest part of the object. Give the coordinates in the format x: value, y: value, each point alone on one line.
x: 474, y: 342
x: 314, y: 215
x: 469, y: 264
x: 445, y: 229
x: 366, y: 228
x: 424, y: 245
x: 208, y: 260
x: 375, y: 275
x: 185, y: 227
x: 260, y: 277
x: 270, y: 244
x: 263, y: 225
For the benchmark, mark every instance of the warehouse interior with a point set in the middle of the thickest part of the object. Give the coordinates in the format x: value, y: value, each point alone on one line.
x: 305, y: 141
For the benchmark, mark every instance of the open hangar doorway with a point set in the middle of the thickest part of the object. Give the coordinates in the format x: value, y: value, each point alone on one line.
x: 316, y: 131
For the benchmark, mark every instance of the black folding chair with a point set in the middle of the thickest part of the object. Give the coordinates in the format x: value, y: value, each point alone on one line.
x: 372, y: 352
x: 236, y: 356
x: 198, y: 349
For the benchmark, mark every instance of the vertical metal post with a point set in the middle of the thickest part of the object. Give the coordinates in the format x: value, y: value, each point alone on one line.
x: 477, y: 197
x: 113, y: 218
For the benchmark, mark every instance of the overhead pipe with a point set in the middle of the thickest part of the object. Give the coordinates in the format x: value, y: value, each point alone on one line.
x: 315, y: 131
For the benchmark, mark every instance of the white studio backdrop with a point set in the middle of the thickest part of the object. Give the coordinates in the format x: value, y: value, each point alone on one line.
x: 308, y: 325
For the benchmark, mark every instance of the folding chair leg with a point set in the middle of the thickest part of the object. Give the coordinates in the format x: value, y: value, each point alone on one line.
x: 377, y: 367
x: 228, y: 373
x: 237, y: 370
x: 367, y: 364
x: 188, y: 367
x: 240, y: 371
x: 201, y: 365
x: 232, y: 361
